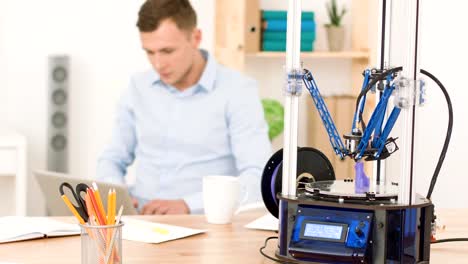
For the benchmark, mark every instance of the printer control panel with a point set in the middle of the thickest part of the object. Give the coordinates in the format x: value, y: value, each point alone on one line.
x: 321, y: 233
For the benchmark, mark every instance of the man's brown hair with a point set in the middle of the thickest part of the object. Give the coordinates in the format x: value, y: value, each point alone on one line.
x: 153, y: 12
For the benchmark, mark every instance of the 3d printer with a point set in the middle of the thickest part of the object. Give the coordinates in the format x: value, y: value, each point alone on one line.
x: 323, y: 220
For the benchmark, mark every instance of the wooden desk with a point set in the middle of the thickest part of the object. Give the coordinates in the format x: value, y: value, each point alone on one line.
x: 221, y: 244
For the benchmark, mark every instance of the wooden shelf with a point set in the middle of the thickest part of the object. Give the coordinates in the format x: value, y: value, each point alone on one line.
x: 315, y: 54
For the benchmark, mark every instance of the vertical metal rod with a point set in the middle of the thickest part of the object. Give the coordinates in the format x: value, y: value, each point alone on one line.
x: 382, y: 64
x: 383, y: 58
x: 292, y: 93
x: 406, y: 194
x: 415, y: 69
x: 382, y: 36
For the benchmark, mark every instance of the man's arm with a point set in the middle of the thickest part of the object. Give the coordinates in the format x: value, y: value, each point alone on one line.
x: 248, y: 132
x: 120, y: 153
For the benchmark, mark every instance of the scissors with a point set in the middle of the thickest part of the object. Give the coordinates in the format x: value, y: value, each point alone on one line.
x: 81, y: 208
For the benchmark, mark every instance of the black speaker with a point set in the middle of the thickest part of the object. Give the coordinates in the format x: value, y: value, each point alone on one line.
x: 57, y: 127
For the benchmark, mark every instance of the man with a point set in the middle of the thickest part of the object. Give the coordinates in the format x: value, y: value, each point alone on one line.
x: 185, y: 118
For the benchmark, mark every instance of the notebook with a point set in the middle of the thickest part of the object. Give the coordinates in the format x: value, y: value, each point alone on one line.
x: 17, y: 228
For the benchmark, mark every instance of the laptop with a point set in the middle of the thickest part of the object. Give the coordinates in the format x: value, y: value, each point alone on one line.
x: 49, y: 183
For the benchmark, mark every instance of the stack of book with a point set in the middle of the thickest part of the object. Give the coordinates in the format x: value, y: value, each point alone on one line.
x: 274, y: 25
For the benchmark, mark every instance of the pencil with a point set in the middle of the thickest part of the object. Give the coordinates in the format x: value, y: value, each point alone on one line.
x: 99, y: 216
x: 108, y: 255
x: 109, y: 206
x: 114, y: 198
x: 97, y: 195
x: 112, y: 219
x: 109, y: 215
x: 72, y: 209
x: 89, y: 208
x: 95, y: 236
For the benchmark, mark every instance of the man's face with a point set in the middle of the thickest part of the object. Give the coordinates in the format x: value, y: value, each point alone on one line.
x: 171, y: 51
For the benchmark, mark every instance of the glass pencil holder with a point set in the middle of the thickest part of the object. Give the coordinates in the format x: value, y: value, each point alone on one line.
x: 101, y: 244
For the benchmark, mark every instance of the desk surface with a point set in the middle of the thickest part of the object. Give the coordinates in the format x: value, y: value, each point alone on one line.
x: 220, y: 244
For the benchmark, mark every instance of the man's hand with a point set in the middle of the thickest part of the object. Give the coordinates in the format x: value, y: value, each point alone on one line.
x: 165, y: 207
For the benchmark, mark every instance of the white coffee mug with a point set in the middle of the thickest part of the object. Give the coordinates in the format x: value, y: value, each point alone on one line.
x: 221, y: 198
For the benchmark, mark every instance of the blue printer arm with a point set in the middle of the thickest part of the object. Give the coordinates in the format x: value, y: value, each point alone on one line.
x: 371, y: 142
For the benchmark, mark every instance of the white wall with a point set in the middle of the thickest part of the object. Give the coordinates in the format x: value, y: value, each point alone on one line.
x: 444, y: 54
x: 102, y: 41
x: 3, y: 88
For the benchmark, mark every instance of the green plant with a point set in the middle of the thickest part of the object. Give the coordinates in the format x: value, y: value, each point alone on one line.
x: 334, y: 14
x: 274, y: 115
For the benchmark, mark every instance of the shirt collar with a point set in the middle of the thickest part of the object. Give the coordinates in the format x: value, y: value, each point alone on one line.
x: 208, y: 77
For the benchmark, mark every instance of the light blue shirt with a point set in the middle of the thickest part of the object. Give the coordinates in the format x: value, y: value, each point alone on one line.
x: 216, y: 127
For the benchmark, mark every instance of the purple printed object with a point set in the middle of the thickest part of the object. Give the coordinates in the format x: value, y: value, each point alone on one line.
x: 361, y: 181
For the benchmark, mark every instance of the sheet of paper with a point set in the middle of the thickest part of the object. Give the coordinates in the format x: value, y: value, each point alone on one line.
x: 266, y: 222
x: 149, y: 232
